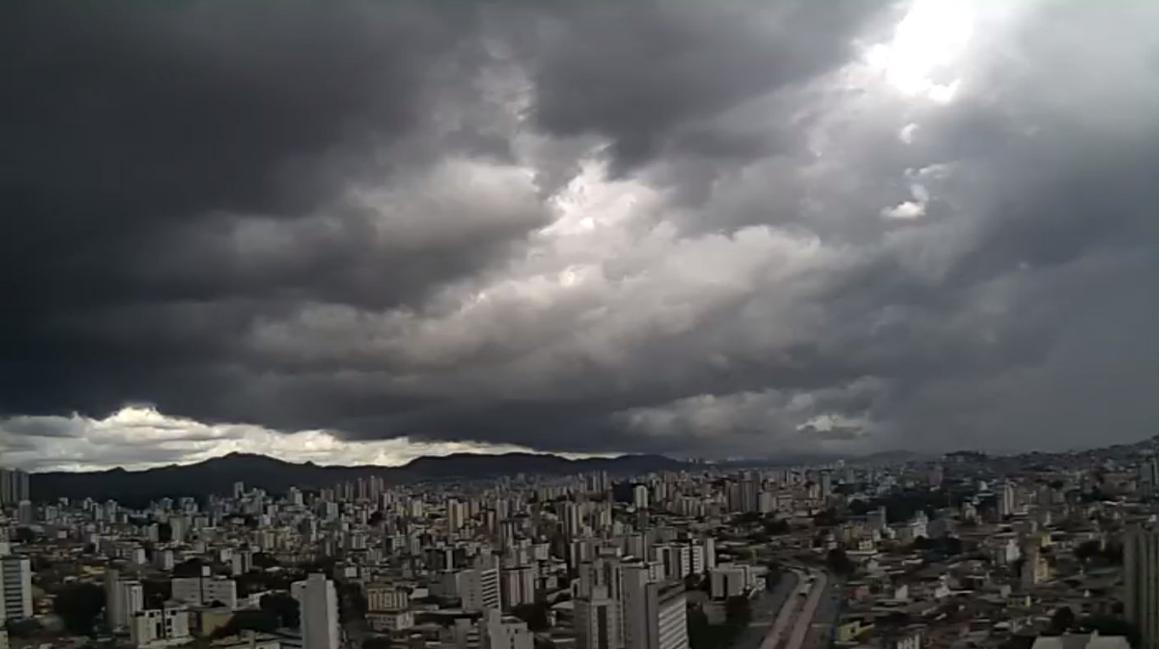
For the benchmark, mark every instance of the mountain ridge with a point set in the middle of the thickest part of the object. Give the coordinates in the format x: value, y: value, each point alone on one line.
x: 218, y: 474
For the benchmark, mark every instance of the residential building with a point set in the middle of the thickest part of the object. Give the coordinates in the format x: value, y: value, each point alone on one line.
x: 160, y: 627
x: 480, y: 589
x: 319, y: 611
x: 15, y: 588
x: 1141, y: 584
x: 505, y: 632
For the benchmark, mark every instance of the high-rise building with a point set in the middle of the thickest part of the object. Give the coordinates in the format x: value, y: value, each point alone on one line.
x: 456, y: 515
x: 199, y: 591
x: 505, y: 632
x: 826, y: 480
x: 676, y: 559
x: 15, y: 588
x: 130, y: 597
x: 1006, y: 500
x: 597, y: 620
x: 25, y: 512
x: 112, y: 603
x: 640, y: 496
x: 480, y: 589
x: 654, y: 611
x: 1141, y: 577
x: 319, y: 605
x: 13, y: 486
x: 518, y: 586
x: 169, y: 625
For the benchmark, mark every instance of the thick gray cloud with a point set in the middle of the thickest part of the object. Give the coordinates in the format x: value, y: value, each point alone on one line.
x: 745, y: 229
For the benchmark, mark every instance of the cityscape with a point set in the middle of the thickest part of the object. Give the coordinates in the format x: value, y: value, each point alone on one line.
x: 579, y: 324
x: 964, y: 550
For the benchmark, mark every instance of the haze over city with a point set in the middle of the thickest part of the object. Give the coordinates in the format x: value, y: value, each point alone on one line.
x: 365, y: 232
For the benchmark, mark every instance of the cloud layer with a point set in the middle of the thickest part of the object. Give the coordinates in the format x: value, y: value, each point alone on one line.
x: 736, y: 230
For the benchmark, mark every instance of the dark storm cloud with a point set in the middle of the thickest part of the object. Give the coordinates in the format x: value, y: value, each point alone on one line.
x: 644, y: 77
x: 659, y: 227
x: 161, y: 164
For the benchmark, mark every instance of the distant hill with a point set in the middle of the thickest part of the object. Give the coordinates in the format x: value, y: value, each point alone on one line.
x: 217, y: 475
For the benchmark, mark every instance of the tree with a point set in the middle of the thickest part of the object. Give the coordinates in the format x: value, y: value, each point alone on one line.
x: 264, y: 560
x: 777, y: 526
x: 352, y: 602
x: 376, y: 642
x: 773, y: 576
x: 24, y: 629
x: 737, y: 611
x: 1087, y: 550
x: 252, y: 620
x: 189, y: 568
x: 78, y: 606
x: 839, y: 562
x: 284, y: 607
x: 1111, y: 625
x: 535, y: 615
x: 1063, y: 619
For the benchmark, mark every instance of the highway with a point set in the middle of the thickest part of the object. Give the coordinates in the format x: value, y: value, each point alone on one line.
x: 793, y: 627
x: 767, y: 606
x: 808, y: 610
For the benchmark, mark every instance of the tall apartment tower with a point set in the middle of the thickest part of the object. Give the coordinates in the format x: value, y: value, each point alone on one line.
x: 15, y: 588
x: 1141, y: 576
x: 654, y: 610
x: 480, y: 589
x: 319, y: 605
x: 13, y: 486
x: 597, y: 621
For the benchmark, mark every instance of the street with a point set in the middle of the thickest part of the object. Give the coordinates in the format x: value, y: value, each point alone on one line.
x: 767, y: 606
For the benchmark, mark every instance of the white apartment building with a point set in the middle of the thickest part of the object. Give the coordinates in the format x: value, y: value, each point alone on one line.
x: 654, y: 612
x: 319, y: 606
x: 640, y: 496
x: 730, y: 580
x: 386, y: 597
x: 598, y: 623
x: 505, y: 632
x: 15, y: 588
x: 160, y: 627
x: 518, y: 586
x: 480, y: 589
x: 201, y: 591
x: 388, y: 621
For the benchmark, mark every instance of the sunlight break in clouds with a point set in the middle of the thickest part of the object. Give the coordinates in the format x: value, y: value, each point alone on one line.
x: 929, y: 39
x: 140, y: 437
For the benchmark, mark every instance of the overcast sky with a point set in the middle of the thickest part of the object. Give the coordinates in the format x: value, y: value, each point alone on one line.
x: 361, y: 232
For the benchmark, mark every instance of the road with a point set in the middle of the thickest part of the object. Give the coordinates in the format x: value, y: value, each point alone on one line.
x: 804, y: 621
x: 765, y: 608
x: 825, y: 619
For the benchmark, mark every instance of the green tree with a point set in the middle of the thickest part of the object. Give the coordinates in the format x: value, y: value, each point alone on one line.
x: 284, y: 607
x: 248, y: 620
x: 376, y: 642
x: 1111, y: 625
x: 839, y: 562
x: 78, y: 606
x: 737, y: 611
x: 535, y: 615
x: 23, y: 629
x: 1063, y: 619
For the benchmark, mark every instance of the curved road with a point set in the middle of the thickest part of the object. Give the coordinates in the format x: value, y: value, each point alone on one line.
x: 795, y: 619
x: 808, y: 611
x: 768, y: 606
